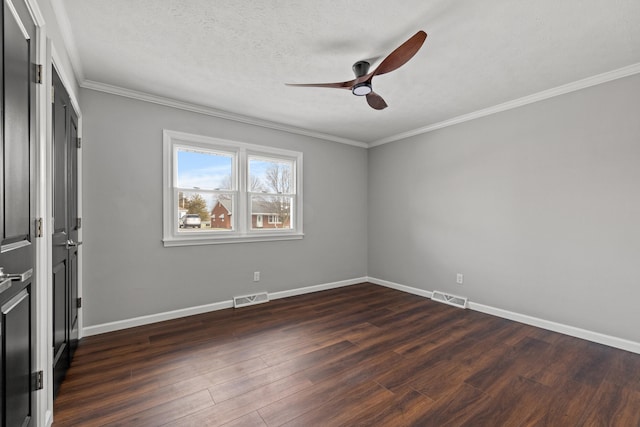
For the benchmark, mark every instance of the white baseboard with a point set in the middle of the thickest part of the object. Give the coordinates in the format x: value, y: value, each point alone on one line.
x: 573, y: 331
x: 585, y: 334
x: 190, y: 311
x: 154, y: 318
x: 399, y: 287
x: 597, y: 337
x: 316, y: 288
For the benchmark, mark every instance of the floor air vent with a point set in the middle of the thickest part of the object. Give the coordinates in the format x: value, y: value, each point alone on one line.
x: 252, y: 299
x: 449, y: 299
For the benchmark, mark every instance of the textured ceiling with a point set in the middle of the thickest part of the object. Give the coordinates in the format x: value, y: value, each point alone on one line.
x: 235, y: 56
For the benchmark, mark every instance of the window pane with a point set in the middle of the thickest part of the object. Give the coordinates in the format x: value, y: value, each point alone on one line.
x: 270, y: 176
x: 196, y: 211
x: 204, y: 170
x: 271, y: 212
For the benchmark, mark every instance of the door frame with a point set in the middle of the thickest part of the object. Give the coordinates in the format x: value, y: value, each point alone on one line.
x: 44, y: 404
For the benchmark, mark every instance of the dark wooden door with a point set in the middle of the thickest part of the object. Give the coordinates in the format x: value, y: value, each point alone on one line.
x: 60, y: 237
x: 73, y: 226
x: 17, y: 224
x: 65, y: 231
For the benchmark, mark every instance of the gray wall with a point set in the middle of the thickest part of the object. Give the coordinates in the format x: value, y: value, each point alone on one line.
x: 128, y: 272
x: 538, y: 207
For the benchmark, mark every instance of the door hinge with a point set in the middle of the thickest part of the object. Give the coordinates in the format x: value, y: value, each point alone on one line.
x: 39, y: 380
x: 39, y: 227
x: 78, y: 223
x: 79, y: 142
x: 79, y: 302
x: 38, y: 73
x: 53, y: 94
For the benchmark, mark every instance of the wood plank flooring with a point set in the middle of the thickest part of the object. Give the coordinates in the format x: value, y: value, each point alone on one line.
x: 363, y: 355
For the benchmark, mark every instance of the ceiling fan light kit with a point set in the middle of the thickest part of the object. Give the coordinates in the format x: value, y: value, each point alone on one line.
x: 362, y: 86
x: 362, y: 89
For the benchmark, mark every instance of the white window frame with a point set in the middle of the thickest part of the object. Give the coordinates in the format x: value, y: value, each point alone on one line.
x: 241, y: 218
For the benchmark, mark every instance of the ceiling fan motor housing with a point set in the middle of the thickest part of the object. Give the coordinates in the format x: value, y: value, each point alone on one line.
x: 361, y: 68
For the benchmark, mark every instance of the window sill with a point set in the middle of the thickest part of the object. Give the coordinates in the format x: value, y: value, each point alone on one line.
x: 219, y: 240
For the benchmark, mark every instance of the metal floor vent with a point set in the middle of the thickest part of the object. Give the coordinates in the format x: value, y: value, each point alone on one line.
x: 449, y: 299
x: 252, y: 299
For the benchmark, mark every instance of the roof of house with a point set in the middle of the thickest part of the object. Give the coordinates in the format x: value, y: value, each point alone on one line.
x: 227, y: 204
x: 258, y: 207
x: 263, y: 207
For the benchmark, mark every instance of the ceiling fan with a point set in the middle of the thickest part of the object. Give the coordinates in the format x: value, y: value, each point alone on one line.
x: 361, y: 85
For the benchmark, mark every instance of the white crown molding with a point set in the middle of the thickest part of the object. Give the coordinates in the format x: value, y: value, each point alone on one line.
x: 573, y: 331
x: 530, y: 99
x: 195, y: 108
x: 60, y: 11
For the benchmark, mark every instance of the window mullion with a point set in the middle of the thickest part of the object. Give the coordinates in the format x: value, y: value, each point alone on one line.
x: 241, y: 176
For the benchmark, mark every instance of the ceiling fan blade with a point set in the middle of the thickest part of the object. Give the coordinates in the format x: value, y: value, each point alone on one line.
x: 376, y: 101
x: 341, y: 85
x: 402, y: 54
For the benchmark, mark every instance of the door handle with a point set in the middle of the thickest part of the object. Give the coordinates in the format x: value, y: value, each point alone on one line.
x: 21, y: 277
x: 71, y: 244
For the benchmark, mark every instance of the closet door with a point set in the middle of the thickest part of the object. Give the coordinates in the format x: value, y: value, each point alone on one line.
x: 73, y: 227
x: 64, y: 251
x: 17, y: 224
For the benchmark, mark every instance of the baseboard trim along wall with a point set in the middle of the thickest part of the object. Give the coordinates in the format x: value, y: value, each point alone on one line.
x: 505, y: 314
x: 154, y: 318
x: 316, y: 288
x: 399, y: 287
x: 597, y: 337
x: 176, y: 314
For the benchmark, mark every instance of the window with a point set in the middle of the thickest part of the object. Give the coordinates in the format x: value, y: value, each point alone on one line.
x: 218, y: 191
x: 274, y: 219
x: 270, y: 190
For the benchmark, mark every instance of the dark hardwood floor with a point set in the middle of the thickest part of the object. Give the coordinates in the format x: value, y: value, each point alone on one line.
x: 364, y: 355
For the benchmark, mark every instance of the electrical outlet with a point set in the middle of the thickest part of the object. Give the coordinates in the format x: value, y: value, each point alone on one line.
x: 459, y: 279
x: 256, y: 276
